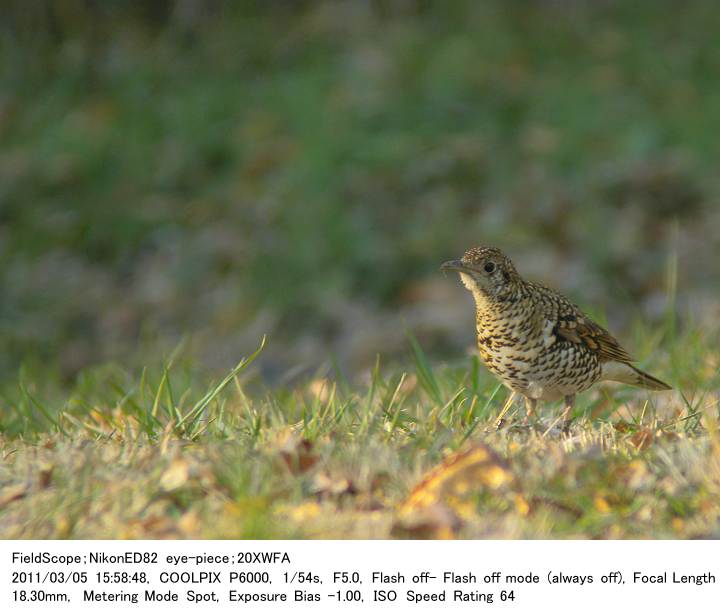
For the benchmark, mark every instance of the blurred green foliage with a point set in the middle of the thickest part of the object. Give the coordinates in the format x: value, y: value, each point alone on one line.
x: 182, y: 166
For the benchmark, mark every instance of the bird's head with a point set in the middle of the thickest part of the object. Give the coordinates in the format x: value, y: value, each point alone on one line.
x: 485, y: 272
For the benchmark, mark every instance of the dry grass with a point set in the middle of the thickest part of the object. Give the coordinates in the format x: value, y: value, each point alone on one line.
x: 326, y: 460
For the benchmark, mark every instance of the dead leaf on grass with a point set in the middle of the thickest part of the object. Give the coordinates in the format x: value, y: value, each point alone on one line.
x: 13, y: 493
x: 176, y: 475
x: 601, y: 504
x: 471, y: 470
x: 623, y: 426
x: 298, y: 454
x: 662, y: 433
x: 439, y: 502
x: 642, y: 439
x: 379, y: 482
x: 521, y: 505
x: 321, y: 389
x: 437, y: 521
x: 303, y: 512
x: 326, y: 486
x: 45, y: 476
x: 635, y: 475
x: 189, y: 523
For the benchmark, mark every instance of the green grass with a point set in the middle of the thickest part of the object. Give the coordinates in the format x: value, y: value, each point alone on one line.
x: 161, y: 454
x: 302, y: 172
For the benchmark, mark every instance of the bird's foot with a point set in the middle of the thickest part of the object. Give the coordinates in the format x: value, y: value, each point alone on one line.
x: 567, y: 414
x: 526, y: 425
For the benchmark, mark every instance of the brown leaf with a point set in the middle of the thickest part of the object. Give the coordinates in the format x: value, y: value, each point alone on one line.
x: 600, y: 408
x: 45, y: 476
x: 601, y: 504
x: 642, y: 439
x: 379, y: 481
x: 623, y: 426
x: 176, y: 475
x: 155, y: 525
x: 321, y: 390
x: 470, y: 471
x: 521, y: 505
x: 565, y: 507
x: 635, y: 475
x: 303, y: 512
x: 678, y: 525
x: 12, y: 493
x: 298, y: 455
x: 189, y: 523
x: 326, y: 486
x: 437, y: 521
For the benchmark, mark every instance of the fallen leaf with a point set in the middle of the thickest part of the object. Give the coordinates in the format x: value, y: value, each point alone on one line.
x: 601, y: 504
x: 636, y: 475
x: 379, y: 481
x: 189, y: 523
x: 600, y: 408
x: 326, y: 486
x: 623, y: 426
x: 642, y: 439
x: 45, y: 476
x: 298, y: 454
x: 321, y: 390
x: 521, y: 505
x: 13, y: 493
x: 176, y: 475
x: 437, y: 521
x: 304, y: 512
x: 63, y: 526
x: 565, y: 507
x: 469, y: 471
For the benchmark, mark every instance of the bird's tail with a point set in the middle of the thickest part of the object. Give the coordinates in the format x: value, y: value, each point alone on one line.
x: 625, y: 373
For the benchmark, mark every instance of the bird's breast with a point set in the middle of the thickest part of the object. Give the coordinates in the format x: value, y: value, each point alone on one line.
x: 514, y: 334
x: 508, y: 346
x: 523, y: 351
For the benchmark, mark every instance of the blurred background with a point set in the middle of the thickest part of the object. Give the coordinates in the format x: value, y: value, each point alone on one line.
x: 214, y: 171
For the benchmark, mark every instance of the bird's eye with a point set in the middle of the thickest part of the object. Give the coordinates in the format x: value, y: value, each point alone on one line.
x: 489, y: 267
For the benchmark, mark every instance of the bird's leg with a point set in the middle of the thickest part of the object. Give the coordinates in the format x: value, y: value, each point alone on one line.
x: 567, y: 411
x: 500, y: 418
x: 530, y: 405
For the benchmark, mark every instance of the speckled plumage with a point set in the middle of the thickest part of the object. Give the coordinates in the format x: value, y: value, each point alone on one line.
x: 534, y: 340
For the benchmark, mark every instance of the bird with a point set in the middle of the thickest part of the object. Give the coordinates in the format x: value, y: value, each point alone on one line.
x: 537, y: 342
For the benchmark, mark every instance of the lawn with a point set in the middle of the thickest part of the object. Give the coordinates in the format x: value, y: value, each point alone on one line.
x: 179, y: 181
x: 404, y: 454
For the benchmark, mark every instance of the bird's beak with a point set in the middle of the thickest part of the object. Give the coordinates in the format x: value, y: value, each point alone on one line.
x: 456, y: 265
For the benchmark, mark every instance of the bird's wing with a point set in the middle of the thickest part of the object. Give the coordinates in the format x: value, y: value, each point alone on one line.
x: 570, y: 323
x: 583, y: 330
